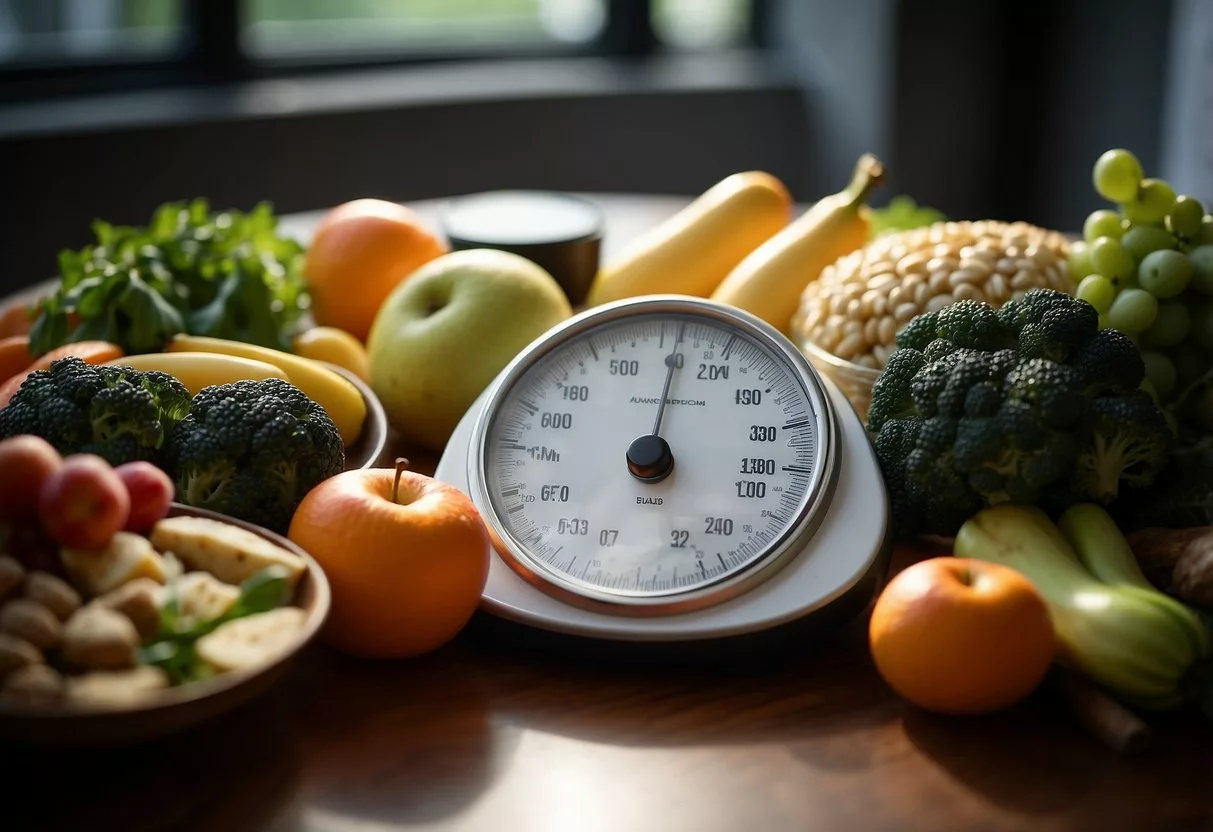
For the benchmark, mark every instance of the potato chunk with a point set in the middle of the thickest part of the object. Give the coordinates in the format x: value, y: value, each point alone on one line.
x: 141, y: 601
x: 127, y: 557
x: 203, y: 597
x: 116, y: 688
x: 12, y: 576
x: 16, y: 653
x: 252, y: 641
x: 99, y: 638
x: 54, y: 593
x: 37, y: 684
x: 32, y: 622
x: 228, y: 552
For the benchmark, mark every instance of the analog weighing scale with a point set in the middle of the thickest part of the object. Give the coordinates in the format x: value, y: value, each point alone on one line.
x: 666, y: 470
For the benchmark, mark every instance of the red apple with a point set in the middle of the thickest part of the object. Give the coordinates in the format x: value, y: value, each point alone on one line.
x: 26, y: 463
x: 150, y: 490
x: 84, y: 503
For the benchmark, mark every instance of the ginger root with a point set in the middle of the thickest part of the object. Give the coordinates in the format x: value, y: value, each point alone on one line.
x: 1179, y: 561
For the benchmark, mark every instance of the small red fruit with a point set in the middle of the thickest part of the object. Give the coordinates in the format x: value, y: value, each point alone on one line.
x: 84, y: 503
x: 26, y: 463
x: 150, y: 490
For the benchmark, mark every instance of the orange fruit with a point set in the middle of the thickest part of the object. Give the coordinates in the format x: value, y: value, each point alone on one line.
x: 406, y: 564
x: 90, y: 352
x: 336, y: 346
x: 361, y: 251
x: 14, y: 355
x: 15, y: 318
x: 961, y: 636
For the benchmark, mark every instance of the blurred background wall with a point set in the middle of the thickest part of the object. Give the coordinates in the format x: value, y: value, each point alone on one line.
x: 992, y: 109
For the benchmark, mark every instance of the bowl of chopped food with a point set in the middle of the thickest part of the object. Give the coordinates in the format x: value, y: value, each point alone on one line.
x: 848, y: 319
x: 152, y: 634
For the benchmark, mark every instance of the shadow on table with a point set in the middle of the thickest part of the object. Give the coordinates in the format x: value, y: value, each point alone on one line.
x: 396, y: 743
x: 237, y: 773
x: 1035, y: 760
x: 799, y: 691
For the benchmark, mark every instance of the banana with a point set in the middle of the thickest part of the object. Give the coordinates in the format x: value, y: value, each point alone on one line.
x: 692, y: 251
x: 201, y: 369
x: 340, y: 398
x: 770, y: 280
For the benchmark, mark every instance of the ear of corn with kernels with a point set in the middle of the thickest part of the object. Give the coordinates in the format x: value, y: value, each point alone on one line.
x: 856, y: 307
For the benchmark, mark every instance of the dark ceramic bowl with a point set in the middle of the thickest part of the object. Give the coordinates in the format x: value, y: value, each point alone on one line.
x: 179, y: 708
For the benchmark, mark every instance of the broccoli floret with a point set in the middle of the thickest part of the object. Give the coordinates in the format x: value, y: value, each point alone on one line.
x: 966, y: 323
x: 891, y: 392
x: 1029, y: 404
x: 1109, y: 362
x: 1053, y: 391
x: 1129, y: 442
x: 918, y: 333
x: 969, y: 323
x: 115, y: 412
x: 252, y: 450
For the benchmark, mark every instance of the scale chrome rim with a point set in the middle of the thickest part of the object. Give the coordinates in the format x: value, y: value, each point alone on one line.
x: 809, y: 512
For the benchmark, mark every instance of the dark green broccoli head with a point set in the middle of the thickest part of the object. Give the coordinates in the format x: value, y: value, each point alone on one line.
x: 115, y: 412
x: 1049, y: 324
x: 1108, y: 362
x: 891, y: 392
x: 253, y: 449
x: 1130, y: 442
x: 1029, y: 404
x: 966, y: 323
x: 1053, y: 391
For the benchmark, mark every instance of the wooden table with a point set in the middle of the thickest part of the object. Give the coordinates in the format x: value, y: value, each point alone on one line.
x: 485, y: 735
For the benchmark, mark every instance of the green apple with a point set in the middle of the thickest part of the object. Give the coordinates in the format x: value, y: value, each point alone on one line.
x: 445, y: 332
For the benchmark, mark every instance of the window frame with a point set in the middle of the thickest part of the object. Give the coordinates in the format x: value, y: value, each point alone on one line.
x: 212, y: 51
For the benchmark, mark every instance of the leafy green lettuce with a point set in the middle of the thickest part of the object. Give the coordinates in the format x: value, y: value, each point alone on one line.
x: 224, y: 274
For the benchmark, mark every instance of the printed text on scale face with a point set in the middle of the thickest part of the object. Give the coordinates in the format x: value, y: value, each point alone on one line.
x: 738, y: 423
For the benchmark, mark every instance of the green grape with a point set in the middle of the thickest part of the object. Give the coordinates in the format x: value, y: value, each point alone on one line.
x: 1153, y: 202
x: 1117, y: 175
x: 1079, y: 261
x: 1170, y: 326
x: 1098, y: 291
x: 1111, y: 260
x: 1133, y: 311
x: 1201, y: 333
x: 1190, y: 363
x: 1140, y: 240
x: 1102, y: 223
x: 1161, y: 373
x: 1202, y: 269
x: 1185, y: 217
x: 1164, y: 274
x: 1205, y: 237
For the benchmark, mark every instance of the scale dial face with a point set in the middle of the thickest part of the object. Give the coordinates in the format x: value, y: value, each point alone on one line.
x: 592, y: 495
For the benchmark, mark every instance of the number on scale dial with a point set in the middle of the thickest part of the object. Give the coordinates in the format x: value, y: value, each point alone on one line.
x: 729, y: 459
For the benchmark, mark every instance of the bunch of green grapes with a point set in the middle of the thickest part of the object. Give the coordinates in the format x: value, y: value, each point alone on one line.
x: 1147, y: 267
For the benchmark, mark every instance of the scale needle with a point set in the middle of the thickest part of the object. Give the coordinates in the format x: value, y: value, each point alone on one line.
x: 649, y: 457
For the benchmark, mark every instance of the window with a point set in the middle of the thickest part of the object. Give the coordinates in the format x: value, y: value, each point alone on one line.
x: 69, y: 46
x: 41, y: 32
x: 305, y: 28
x: 702, y: 24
